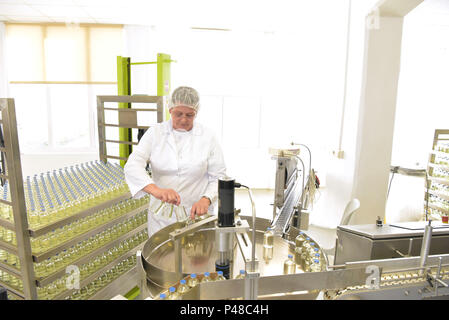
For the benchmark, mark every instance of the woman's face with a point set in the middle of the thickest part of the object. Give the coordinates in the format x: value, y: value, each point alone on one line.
x: 182, y: 117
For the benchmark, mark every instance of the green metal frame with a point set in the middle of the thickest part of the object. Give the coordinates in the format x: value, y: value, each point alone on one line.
x: 124, y: 88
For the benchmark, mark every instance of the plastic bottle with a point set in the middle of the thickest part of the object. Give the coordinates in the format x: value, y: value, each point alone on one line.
x: 220, y: 276
x: 192, y: 281
x: 304, y: 251
x: 241, y: 275
x: 298, y: 251
x: 183, y: 287
x: 173, y: 295
x: 311, y: 250
x: 268, y: 242
x: 315, y: 266
x: 299, y: 240
x: 206, y: 277
x: 289, y: 265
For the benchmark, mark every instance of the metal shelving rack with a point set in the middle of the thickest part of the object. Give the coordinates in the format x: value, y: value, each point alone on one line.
x: 12, y: 172
x: 440, y: 207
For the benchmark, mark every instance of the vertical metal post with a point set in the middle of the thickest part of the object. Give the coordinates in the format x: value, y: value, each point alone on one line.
x: 101, y: 130
x: 163, y: 77
x: 124, y: 89
x: 178, y: 257
x: 14, y: 168
x: 425, y: 247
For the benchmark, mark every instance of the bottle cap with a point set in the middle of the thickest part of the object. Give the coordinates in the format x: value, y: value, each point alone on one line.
x: 317, y: 254
x: 290, y: 256
x: 172, y: 289
x: 207, y: 274
x: 182, y: 281
x: 316, y: 249
x: 193, y: 275
x: 162, y: 296
x: 312, y: 243
x: 242, y: 271
x: 316, y: 261
x: 307, y: 238
x: 220, y: 273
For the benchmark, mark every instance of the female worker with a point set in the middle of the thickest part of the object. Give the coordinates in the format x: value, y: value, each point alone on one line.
x: 185, y: 158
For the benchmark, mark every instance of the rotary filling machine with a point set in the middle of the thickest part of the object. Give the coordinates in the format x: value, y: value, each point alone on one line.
x: 402, y: 261
x: 210, y: 244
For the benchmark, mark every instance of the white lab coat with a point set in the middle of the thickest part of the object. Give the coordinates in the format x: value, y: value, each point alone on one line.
x: 192, y: 171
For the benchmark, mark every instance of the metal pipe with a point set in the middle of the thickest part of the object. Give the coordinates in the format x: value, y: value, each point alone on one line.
x: 425, y: 247
x: 310, y: 153
x: 253, y: 234
x: 303, y: 181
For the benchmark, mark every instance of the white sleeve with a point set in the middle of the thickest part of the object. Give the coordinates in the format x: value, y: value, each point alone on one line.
x: 136, y: 176
x: 216, y: 168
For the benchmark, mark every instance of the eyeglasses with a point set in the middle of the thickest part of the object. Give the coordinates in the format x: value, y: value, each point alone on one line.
x: 177, y: 114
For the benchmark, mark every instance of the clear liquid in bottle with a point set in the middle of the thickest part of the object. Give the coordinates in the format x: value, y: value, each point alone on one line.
x: 289, y: 265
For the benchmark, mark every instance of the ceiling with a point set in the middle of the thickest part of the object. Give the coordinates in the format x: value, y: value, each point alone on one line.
x: 264, y: 15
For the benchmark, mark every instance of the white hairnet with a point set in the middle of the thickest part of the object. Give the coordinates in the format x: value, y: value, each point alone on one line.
x: 185, y: 96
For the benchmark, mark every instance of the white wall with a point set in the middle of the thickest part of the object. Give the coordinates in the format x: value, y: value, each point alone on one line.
x: 422, y: 106
x: 340, y: 174
x: 3, y: 74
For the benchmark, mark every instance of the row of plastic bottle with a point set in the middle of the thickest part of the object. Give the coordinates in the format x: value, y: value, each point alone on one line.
x: 442, y: 203
x: 185, y: 285
x: 307, y: 255
x: 87, y: 291
x: 440, y: 173
x: 87, y: 246
x: 79, y: 227
x: 442, y: 160
x: 9, y: 259
x: 94, y: 265
x: 8, y: 236
x: 50, y: 197
x: 63, y: 260
x: 440, y: 188
x: 442, y: 147
x: 11, y: 280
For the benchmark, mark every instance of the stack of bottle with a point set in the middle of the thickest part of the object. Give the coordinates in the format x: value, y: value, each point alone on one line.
x: 8, y: 236
x: 55, y: 195
x: 442, y: 147
x: 88, y: 268
x: 10, y: 259
x: 67, y: 257
x: 307, y: 254
x: 440, y: 202
x: 440, y: 188
x: 11, y: 280
x: 175, y: 292
x: 441, y: 173
x: 93, y: 287
x: 81, y: 226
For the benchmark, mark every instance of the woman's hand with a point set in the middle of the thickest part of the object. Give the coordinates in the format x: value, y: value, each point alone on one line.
x: 166, y: 195
x: 199, y: 208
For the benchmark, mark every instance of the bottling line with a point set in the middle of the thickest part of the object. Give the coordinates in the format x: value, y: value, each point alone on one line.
x: 80, y: 223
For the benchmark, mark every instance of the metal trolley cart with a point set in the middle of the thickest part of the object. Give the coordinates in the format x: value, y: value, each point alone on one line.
x: 72, y: 233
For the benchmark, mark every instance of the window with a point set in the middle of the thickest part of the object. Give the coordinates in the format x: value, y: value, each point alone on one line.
x: 55, y: 73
